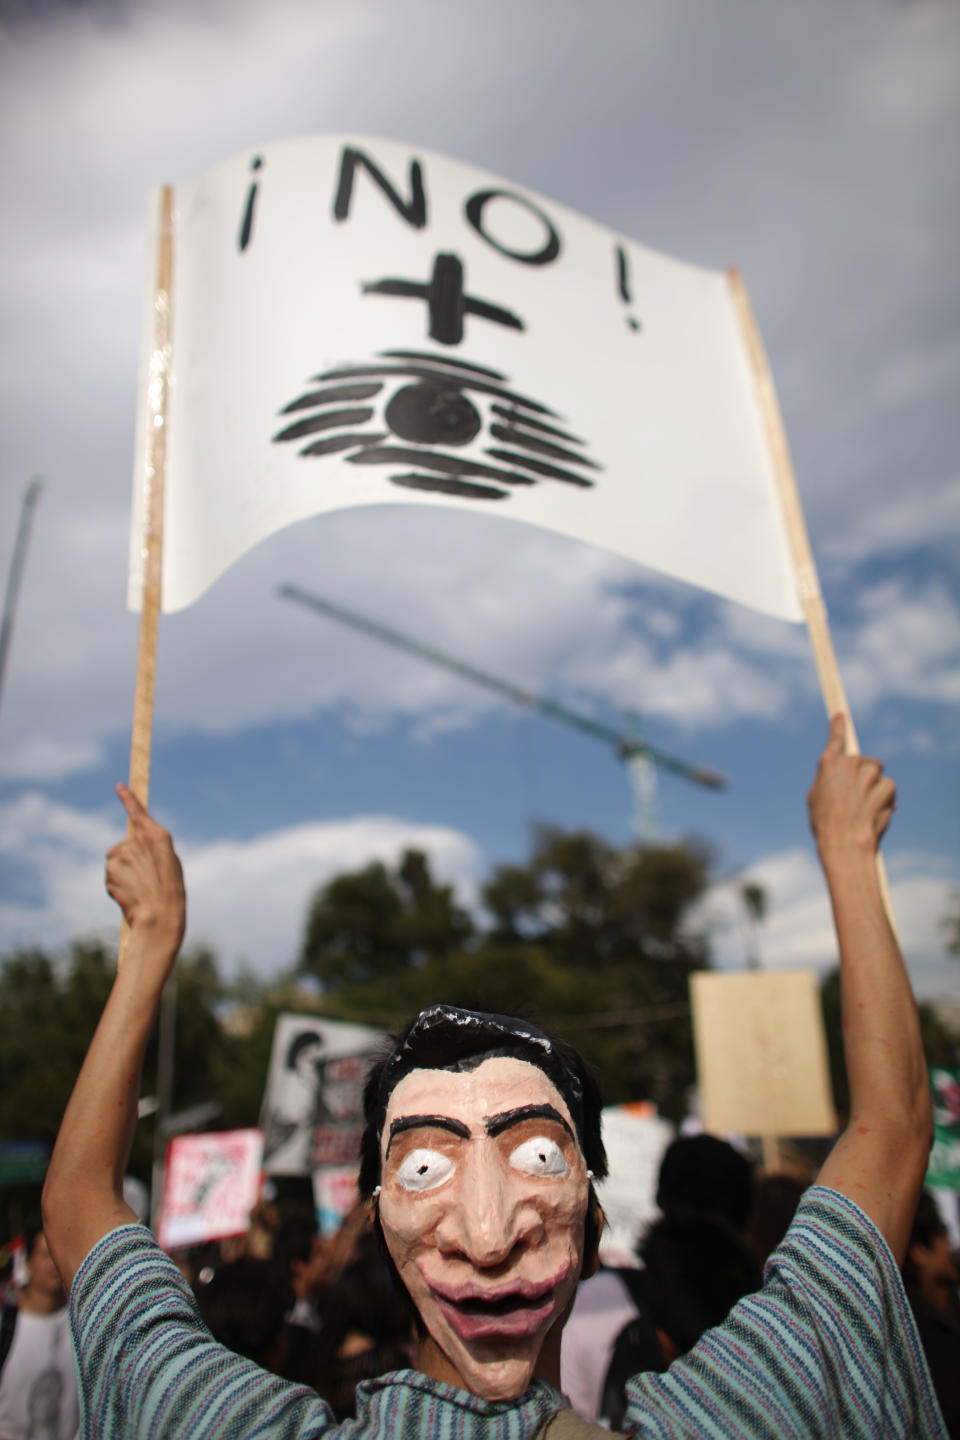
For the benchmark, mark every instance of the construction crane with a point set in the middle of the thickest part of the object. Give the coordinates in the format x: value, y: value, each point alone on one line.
x: 642, y: 759
x: 30, y: 498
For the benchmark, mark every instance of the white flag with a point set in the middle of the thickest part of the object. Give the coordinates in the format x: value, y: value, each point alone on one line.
x: 359, y: 322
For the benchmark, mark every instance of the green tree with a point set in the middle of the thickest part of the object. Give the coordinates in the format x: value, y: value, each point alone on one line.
x: 616, y: 923
x: 951, y: 925
x: 591, y: 939
x: 754, y: 899
x: 375, y: 923
x: 49, y: 1008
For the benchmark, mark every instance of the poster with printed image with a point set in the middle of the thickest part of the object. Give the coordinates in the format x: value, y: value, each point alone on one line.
x: 313, y: 1102
x: 357, y: 321
x: 211, y: 1183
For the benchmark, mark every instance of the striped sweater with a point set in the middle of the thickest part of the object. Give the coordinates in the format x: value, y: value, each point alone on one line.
x: 827, y: 1348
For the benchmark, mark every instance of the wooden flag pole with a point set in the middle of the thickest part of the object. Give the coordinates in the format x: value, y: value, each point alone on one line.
x: 804, y: 566
x: 152, y: 545
x: 808, y: 582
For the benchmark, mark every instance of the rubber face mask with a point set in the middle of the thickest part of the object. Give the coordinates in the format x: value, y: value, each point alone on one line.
x: 483, y: 1203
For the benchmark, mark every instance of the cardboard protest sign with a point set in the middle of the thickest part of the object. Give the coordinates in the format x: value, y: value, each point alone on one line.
x: 635, y: 1138
x: 312, y: 1105
x: 944, y: 1168
x: 761, y: 1054
x: 358, y: 322
x: 211, y: 1183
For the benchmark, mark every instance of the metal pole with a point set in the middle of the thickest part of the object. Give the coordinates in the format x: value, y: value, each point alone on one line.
x: 165, y: 1048
x: 30, y: 499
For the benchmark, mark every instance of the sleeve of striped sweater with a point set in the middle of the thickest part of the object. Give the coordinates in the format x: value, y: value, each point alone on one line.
x: 827, y: 1348
x: 149, y: 1367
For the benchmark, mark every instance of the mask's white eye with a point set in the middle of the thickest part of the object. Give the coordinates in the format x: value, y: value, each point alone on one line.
x: 539, y: 1156
x: 423, y: 1169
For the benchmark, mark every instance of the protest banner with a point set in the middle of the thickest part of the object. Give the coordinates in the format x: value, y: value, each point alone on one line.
x: 355, y: 322
x: 312, y: 1112
x: 761, y: 1054
x: 211, y: 1183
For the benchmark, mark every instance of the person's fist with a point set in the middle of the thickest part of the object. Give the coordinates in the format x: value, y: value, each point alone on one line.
x: 851, y: 800
x: 145, y: 878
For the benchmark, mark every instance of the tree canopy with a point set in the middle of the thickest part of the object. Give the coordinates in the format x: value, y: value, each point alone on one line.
x: 592, y: 939
x: 49, y: 1008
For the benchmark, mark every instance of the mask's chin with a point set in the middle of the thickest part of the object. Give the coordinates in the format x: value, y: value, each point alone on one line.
x: 498, y: 1374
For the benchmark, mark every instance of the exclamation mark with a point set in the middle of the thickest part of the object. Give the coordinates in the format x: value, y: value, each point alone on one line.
x: 623, y: 284
x: 246, y: 226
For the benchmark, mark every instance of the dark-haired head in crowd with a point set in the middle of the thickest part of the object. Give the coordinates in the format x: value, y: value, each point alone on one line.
x: 244, y: 1305
x: 705, y: 1175
x: 931, y: 1277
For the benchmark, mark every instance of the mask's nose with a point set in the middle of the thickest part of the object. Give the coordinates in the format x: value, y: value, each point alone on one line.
x: 493, y: 1211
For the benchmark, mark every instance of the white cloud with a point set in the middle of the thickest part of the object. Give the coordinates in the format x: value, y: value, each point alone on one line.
x: 798, y: 933
x: 804, y: 142
x: 41, y: 757
x: 898, y: 522
x: 62, y: 850
x: 249, y: 899
x: 246, y: 898
x: 906, y: 644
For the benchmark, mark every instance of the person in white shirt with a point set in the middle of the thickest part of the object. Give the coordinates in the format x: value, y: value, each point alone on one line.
x: 38, y: 1381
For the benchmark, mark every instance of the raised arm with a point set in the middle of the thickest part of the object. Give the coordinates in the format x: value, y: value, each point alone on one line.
x: 881, y: 1157
x: 83, y: 1193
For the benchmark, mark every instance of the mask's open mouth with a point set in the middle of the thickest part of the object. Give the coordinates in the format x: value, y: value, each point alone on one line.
x: 517, y: 1313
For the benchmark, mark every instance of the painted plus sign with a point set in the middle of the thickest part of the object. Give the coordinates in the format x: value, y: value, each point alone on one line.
x: 447, y: 303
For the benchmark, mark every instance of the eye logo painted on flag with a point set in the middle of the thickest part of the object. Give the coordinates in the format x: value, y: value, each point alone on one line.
x: 419, y: 409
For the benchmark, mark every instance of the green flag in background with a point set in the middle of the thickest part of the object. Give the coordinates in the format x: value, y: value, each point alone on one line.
x: 945, y: 1156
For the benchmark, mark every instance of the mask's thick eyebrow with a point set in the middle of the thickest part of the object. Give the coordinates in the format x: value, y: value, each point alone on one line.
x: 435, y: 1122
x: 496, y: 1124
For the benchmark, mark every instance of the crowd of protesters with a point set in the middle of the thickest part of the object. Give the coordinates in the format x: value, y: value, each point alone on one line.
x: 324, y: 1311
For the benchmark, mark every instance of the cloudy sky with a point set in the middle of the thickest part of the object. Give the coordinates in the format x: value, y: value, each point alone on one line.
x: 813, y: 145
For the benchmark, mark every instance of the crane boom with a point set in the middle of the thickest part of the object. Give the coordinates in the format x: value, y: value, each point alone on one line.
x: 31, y: 496
x: 625, y: 745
